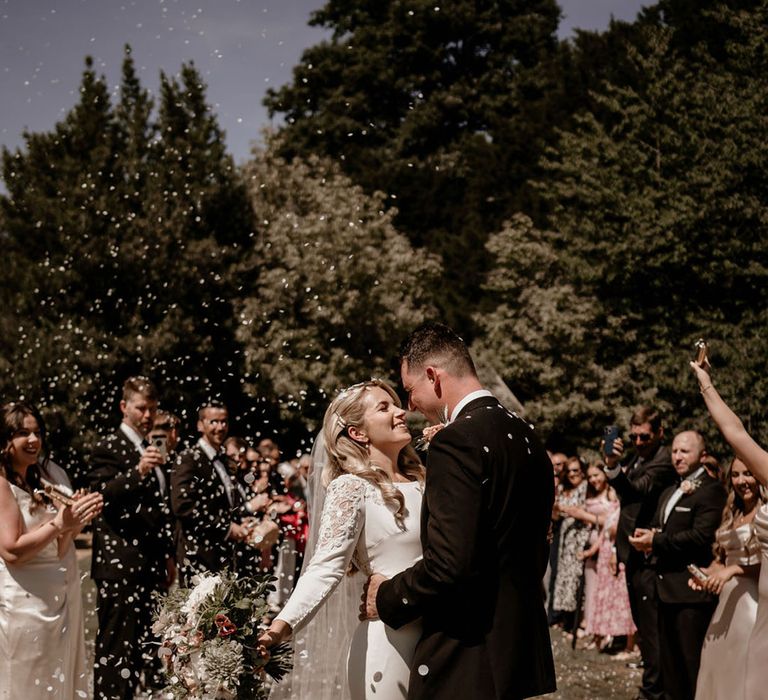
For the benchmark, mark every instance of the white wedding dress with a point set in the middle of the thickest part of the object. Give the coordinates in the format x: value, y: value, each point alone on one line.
x: 42, y: 647
x: 356, y: 526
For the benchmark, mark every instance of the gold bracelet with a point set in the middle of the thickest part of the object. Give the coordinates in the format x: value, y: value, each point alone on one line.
x: 709, y: 386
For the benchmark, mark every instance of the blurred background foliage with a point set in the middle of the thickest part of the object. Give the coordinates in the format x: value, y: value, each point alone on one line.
x: 580, y: 211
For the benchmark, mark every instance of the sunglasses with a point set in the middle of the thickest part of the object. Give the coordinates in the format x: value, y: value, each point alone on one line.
x: 640, y: 437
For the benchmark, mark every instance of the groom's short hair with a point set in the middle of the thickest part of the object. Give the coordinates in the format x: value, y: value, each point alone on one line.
x: 436, y: 344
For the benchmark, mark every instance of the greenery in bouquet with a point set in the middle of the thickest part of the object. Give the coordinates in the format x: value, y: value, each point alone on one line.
x: 209, y: 639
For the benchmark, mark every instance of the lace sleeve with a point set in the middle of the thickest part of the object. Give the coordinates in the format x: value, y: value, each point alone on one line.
x: 340, y: 524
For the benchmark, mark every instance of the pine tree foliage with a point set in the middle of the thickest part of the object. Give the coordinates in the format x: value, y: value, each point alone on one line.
x: 660, y: 202
x: 120, y: 230
x: 443, y: 107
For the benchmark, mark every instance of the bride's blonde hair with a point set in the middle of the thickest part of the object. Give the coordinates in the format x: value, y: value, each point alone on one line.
x: 347, y: 456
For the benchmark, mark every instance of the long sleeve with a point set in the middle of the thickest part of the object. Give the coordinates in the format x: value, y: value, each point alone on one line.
x: 341, y: 522
x: 652, y: 481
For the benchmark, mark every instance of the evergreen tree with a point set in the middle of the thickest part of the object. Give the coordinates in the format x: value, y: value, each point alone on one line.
x: 543, y: 335
x: 660, y: 199
x: 122, y: 232
x: 444, y: 108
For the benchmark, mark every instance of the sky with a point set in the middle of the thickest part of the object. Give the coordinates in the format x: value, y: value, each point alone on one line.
x: 241, y: 48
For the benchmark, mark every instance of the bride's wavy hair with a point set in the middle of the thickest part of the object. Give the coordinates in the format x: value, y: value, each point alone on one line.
x: 347, y: 456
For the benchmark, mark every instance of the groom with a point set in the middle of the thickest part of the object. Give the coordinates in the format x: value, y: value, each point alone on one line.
x: 484, y: 526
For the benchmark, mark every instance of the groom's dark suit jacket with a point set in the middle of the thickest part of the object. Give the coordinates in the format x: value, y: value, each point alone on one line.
x: 478, y: 589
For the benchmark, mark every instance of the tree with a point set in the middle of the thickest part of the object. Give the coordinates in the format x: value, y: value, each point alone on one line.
x: 543, y: 335
x: 660, y: 201
x: 444, y: 108
x: 121, y: 233
x: 329, y: 288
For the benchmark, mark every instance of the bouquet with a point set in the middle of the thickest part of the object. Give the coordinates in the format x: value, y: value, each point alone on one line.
x: 209, y: 639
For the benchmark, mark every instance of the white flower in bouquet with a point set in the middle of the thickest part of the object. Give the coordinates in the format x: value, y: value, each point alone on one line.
x: 209, y: 639
x: 204, y: 586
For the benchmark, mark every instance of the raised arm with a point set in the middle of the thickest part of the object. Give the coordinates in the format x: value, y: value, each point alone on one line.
x: 731, y: 426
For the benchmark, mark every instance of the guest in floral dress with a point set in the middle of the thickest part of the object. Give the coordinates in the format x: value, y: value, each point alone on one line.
x: 574, y: 534
x: 606, y: 609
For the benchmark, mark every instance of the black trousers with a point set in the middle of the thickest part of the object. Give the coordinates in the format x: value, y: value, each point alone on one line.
x: 123, y: 648
x: 682, y: 628
x: 641, y: 583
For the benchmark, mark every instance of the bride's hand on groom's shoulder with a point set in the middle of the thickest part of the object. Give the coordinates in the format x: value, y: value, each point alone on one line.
x: 368, y: 609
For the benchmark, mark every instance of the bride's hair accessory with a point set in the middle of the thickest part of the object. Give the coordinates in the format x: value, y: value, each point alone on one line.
x: 341, y: 421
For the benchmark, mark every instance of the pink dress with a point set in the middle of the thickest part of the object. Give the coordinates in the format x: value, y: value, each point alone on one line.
x: 608, y: 611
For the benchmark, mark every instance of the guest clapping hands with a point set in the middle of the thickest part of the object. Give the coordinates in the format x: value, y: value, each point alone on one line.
x: 42, y: 645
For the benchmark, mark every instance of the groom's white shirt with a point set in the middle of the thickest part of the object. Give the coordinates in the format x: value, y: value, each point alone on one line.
x: 469, y: 397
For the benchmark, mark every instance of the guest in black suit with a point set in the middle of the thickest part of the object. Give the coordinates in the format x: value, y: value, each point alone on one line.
x: 205, y: 500
x: 132, y: 544
x: 683, y: 533
x: 638, y: 484
x: 487, y: 508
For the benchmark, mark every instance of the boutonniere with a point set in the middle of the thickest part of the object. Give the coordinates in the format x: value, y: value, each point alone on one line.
x: 688, y: 486
x: 427, y: 435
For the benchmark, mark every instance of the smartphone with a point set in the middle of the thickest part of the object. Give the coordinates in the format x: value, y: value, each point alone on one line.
x: 610, y: 435
x: 702, y: 350
x: 697, y: 573
x: 161, y: 443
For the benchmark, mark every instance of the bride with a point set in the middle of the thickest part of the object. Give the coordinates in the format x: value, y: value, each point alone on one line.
x: 369, y: 522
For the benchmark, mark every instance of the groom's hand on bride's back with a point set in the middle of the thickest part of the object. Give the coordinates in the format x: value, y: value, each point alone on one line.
x: 368, y: 609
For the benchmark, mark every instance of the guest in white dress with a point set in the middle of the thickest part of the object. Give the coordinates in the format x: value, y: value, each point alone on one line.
x: 755, y: 458
x: 42, y: 649
x: 733, y: 576
x: 369, y: 521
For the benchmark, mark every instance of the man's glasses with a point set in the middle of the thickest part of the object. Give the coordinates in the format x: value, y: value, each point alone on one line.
x: 640, y: 437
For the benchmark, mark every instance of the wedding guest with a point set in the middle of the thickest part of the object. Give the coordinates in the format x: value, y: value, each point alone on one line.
x: 558, y: 460
x: 132, y: 544
x: 573, y: 536
x: 294, y: 527
x: 270, y: 451
x: 600, y: 503
x: 733, y: 577
x: 755, y: 458
x: 682, y: 533
x: 42, y: 642
x: 607, y: 612
x: 166, y: 425
x: 638, y: 483
x: 205, y: 499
